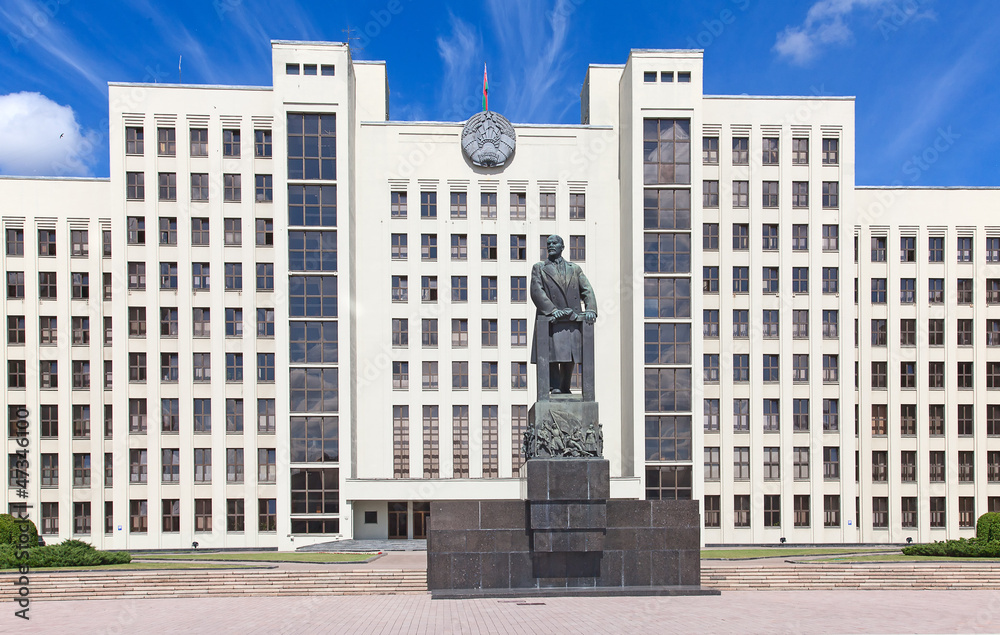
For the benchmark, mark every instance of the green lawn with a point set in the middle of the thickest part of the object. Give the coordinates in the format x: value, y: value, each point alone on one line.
x: 133, y: 566
x: 898, y: 557
x: 738, y: 554
x: 258, y: 556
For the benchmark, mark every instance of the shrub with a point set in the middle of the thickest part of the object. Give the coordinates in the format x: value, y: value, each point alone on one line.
x: 961, y: 548
x: 10, y: 531
x: 70, y: 553
x: 988, y: 526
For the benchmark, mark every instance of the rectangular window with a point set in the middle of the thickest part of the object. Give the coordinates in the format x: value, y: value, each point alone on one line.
x: 769, y: 194
x: 800, y: 151
x: 769, y: 150
x: 666, y: 152
x: 935, y: 249
x: 231, y: 143
x: 831, y: 151
x: 741, y: 151
x: 262, y: 144
x: 199, y: 142
x: 741, y: 415
x: 800, y: 194
x: 831, y: 194
x: 710, y: 194
x: 741, y: 510
x: 428, y: 205
x: 710, y: 150
x: 800, y: 463
x: 312, y: 146
x: 397, y: 208
x: 166, y: 139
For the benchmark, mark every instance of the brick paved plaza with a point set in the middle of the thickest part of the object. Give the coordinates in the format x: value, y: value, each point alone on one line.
x: 748, y: 611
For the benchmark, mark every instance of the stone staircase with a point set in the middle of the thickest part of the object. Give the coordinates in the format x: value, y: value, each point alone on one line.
x: 876, y: 576
x: 116, y: 585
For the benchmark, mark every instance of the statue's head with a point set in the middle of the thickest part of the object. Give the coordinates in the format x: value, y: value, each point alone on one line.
x: 554, y: 246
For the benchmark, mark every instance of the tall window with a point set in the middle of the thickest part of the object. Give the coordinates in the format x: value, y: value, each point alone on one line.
x: 312, y: 146
x: 667, y: 151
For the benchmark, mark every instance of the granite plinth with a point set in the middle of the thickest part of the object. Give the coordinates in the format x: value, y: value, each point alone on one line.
x: 567, y: 538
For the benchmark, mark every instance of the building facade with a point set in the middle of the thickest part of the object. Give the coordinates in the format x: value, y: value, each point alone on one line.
x: 363, y: 346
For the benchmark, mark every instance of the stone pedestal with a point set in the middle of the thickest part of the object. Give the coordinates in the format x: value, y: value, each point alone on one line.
x: 566, y: 538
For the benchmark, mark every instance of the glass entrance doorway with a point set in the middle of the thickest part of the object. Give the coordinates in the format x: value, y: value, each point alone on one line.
x: 421, y: 512
x: 397, y: 520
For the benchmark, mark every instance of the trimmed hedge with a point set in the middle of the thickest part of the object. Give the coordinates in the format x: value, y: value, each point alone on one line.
x: 10, y: 531
x: 70, y: 553
x: 988, y: 526
x: 986, y: 544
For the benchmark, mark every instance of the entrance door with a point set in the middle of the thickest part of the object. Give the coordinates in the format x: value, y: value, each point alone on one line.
x: 397, y: 520
x: 421, y: 512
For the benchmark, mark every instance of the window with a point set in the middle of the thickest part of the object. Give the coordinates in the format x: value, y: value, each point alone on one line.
x: 772, y: 464
x: 669, y: 298
x: 234, y: 367
x: 741, y: 326
x: 741, y: 279
x: 831, y: 194
x: 138, y: 516
x: 711, y: 367
x: 135, y: 186
x: 880, y: 512
x: 15, y: 329
x: 741, y: 194
x: 488, y: 205
x: 769, y: 194
x: 171, y: 464
x: 232, y: 232
x: 267, y: 466
x: 578, y: 248
x: 710, y: 323
x: 907, y: 249
x: 203, y: 514
x: 48, y: 331
x: 935, y: 375
x: 800, y: 151
x: 769, y: 323
x: 772, y: 415
x: 397, y: 206
x: 668, y: 389
x: 935, y: 420
x: 490, y: 375
x: 831, y: 369
x: 741, y: 368
x: 15, y: 242
x: 202, y: 366
x: 668, y: 483
x: 235, y: 514
x: 712, y: 464
x: 964, y: 249
x: 993, y: 332
x: 769, y: 151
x: 711, y: 413
x: 428, y: 205
x: 966, y: 464
x: 80, y: 286
x: 78, y: 242
x: 878, y: 291
x: 878, y: 248
x: 199, y: 187
x: 935, y: 249
x: 312, y: 146
x: 666, y: 151
x: 741, y: 151
x: 908, y: 375
x: 138, y: 467
x: 879, y: 333
x: 935, y: 290
x: 234, y: 465
x: 710, y: 150
x: 137, y: 367
x: 234, y: 322
x: 769, y: 236
x: 800, y: 463
x: 800, y: 194
x: 459, y: 333
x: 46, y: 242
x: 47, y: 285
x: 265, y: 416
x: 666, y: 253
x: 262, y: 144
x: 199, y: 142
x: 231, y: 143
x: 937, y: 467
x: 710, y: 236
x: 264, y: 232
x: 964, y: 291
x: 965, y: 420
x: 831, y: 463
x: 880, y: 466
x: 166, y: 139
x: 428, y: 289
x: 233, y: 276
x: 81, y: 421
x: 429, y: 333
x: 879, y: 375
x: 908, y: 466
x: 15, y: 284
x: 831, y: 151
x: 800, y: 368
x: 831, y: 415
x: 993, y: 291
x: 965, y: 375
x: 907, y: 290
x: 200, y: 276
x: 831, y: 239
x: 489, y: 246
x: 741, y: 236
x: 772, y: 510
x: 265, y: 273
x: 400, y: 375
x: 201, y: 322
x: 993, y: 466
x: 800, y: 279
x: 741, y: 415
x: 938, y: 506
x: 710, y: 193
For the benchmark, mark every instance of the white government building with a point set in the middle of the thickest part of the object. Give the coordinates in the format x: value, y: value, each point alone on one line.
x: 286, y: 318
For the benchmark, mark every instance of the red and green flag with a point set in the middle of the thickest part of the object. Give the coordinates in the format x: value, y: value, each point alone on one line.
x: 486, y: 90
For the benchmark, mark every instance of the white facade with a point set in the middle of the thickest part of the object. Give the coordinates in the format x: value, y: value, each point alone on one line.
x: 367, y: 335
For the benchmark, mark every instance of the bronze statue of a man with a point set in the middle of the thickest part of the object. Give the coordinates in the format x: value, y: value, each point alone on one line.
x: 558, y: 288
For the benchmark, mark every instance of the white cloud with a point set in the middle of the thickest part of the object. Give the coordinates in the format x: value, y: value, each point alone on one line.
x: 825, y: 24
x: 39, y: 137
x: 461, y: 52
x: 532, y: 39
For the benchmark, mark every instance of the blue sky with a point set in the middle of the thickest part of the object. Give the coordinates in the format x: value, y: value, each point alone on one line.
x: 926, y: 72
